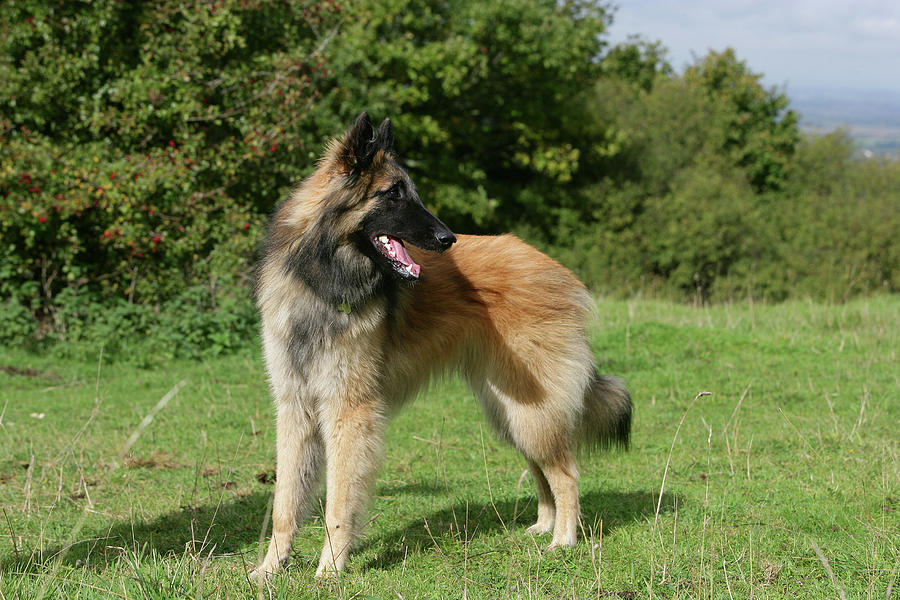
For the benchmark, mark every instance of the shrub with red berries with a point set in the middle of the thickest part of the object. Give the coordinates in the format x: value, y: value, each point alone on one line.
x: 147, y: 165
x: 143, y: 145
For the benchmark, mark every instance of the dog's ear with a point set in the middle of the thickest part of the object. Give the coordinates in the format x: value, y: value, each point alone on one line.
x: 386, y: 136
x: 360, y: 144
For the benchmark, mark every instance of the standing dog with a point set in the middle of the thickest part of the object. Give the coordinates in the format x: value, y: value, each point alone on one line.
x: 365, y: 295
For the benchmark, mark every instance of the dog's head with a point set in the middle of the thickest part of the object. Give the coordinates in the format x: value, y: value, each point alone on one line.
x: 388, y: 209
x: 344, y: 230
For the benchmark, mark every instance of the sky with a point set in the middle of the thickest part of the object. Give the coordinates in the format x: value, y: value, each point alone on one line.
x: 795, y: 44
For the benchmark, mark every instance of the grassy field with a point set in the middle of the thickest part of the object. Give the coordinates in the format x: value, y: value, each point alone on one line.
x: 764, y: 464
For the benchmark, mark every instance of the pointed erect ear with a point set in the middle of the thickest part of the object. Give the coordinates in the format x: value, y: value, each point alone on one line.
x: 386, y: 136
x: 360, y: 144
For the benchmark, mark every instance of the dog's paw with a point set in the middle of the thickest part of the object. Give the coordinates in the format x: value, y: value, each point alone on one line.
x: 540, y: 527
x: 561, y: 544
x: 331, y: 564
x: 267, y: 569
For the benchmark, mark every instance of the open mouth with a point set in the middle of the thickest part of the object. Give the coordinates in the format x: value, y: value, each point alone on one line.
x: 393, y: 249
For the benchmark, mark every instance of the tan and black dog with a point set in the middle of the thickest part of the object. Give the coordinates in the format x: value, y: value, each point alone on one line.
x: 365, y: 296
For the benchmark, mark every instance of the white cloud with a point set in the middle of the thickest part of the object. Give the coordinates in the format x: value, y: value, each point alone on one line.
x: 876, y: 27
x: 833, y: 43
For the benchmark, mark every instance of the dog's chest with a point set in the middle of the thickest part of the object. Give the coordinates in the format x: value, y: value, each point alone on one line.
x: 329, y: 347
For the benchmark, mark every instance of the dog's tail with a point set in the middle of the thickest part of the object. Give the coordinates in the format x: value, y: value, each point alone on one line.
x: 606, y: 420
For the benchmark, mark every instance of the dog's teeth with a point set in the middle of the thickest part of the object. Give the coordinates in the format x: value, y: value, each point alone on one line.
x: 383, y: 239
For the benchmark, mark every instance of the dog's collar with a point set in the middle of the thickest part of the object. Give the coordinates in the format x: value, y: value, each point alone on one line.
x: 344, y: 307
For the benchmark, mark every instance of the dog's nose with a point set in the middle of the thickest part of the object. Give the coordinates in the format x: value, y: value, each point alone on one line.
x: 446, y: 238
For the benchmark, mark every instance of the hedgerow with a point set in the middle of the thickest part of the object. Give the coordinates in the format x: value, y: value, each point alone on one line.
x: 143, y: 146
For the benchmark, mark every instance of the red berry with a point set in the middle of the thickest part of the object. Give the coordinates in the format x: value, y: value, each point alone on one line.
x: 42, y: 219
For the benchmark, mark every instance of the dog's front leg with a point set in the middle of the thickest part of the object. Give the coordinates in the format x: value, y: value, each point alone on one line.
x: 352, y: 432
x: 299, y: 459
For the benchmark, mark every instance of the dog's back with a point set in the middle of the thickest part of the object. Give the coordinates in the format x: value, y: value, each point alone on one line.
x: 507, y: 315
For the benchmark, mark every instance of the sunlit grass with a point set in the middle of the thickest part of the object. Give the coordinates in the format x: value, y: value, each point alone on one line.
x: 764, y: 464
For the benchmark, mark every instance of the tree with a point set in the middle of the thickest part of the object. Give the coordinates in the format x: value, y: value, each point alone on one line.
x: 762, y: 133
x: 484, y: 94
x: 638, y: 62
x: 142, y: 143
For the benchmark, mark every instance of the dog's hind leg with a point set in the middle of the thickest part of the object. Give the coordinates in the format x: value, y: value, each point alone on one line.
x: 562, y: 477
x: 556, y: 475
x: 353, y: 435
x: 546, y: 506
x: 299, y: 458
x: 543, y: 435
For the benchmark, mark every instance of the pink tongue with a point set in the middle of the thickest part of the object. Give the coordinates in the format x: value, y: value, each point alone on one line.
x: 404, y: 257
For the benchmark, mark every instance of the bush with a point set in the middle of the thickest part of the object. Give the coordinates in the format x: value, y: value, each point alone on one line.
x: 840, y: 225
x: 185, y: 326
x: 141, y: 146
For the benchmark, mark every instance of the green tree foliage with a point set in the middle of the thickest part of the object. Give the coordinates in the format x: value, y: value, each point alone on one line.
x: 485, y: 93
x: 637, y: 62
x: 705, y: 189
x: 761, y: 131
x: 840, y: 223
x: 143, y: 145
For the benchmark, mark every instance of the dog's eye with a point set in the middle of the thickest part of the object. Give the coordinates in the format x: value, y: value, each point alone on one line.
x: 394, y: 193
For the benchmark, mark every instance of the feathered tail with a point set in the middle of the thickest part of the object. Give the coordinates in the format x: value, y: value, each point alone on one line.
x: 607, y: 413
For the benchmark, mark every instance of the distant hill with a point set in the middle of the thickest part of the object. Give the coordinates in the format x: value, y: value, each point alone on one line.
x: 872, y: 117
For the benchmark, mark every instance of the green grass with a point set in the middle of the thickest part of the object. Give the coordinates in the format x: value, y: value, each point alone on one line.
x: 782, y: 482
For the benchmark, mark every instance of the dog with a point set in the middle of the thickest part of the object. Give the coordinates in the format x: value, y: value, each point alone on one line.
x: 365, y: 295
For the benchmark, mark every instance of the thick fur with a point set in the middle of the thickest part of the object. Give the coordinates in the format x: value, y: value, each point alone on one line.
x: 347, y: 339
